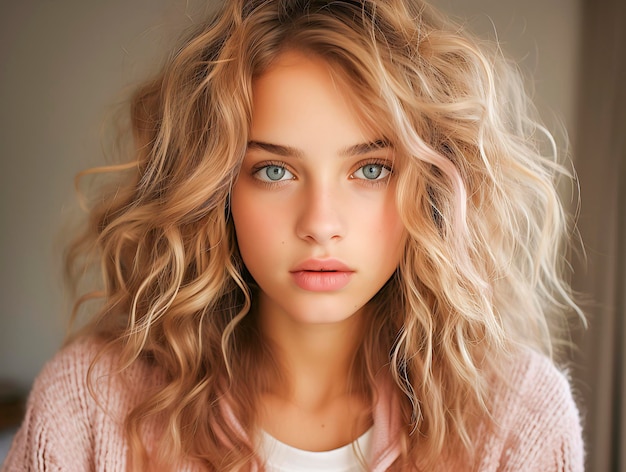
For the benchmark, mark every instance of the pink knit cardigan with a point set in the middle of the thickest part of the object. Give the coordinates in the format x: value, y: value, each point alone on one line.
x: 65, y: 429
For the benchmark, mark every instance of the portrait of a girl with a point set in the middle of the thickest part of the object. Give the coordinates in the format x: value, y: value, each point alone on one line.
x: 336, y: 244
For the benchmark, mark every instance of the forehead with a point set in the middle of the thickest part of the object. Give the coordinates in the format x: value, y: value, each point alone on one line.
x: 300, y: 88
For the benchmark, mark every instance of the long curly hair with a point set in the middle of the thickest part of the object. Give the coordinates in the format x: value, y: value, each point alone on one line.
x: 481, y: 274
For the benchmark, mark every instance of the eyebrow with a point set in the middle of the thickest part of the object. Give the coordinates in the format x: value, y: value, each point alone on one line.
x: 350, y: 151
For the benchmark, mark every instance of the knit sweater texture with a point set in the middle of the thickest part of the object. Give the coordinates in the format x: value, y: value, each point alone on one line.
x: 65, y: 429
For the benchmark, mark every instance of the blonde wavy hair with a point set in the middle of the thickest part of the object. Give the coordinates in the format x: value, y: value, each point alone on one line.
x: 481, y: 274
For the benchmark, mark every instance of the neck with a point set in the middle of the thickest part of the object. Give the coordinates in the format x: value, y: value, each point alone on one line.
x: 316, y: 359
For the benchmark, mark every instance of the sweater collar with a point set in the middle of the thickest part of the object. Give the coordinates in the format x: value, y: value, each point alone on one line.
x: 387, y: 426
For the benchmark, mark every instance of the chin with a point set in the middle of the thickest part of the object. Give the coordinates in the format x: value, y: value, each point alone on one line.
x: 325, y: 315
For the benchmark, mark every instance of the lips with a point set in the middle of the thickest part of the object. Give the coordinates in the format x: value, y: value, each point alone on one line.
x: 322, y: 265
x: 322, y: 275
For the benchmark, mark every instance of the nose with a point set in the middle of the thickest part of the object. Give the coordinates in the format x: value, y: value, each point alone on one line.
x: 320, y: 219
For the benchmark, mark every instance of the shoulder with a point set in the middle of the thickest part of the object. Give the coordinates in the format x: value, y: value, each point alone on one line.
x: 86, y: 378
x: 88, y: 373
x: 532, y: 381
x: 536, y: 420
x: 75, y: 411
x: 63, y: 380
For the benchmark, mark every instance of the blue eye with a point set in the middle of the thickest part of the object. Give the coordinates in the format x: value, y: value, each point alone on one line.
x: 372, y: 172
x: 273, y: 173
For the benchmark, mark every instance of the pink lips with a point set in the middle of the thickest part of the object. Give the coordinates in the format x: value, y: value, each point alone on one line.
x: 321, y: 275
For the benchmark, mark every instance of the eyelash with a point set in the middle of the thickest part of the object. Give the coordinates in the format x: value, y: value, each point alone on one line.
x: 263, y: 165
x: 385, y: 164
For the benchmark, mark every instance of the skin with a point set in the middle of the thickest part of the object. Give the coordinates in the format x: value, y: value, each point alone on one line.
x: 333, y: 199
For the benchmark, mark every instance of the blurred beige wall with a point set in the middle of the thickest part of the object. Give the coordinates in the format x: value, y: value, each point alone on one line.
x: 62, y: 67
x: 543, y: 36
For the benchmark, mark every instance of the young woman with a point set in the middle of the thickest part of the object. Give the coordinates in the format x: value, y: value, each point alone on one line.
x: 336, y: 246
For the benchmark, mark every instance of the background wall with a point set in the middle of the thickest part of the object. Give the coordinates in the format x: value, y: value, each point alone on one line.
x: 63, y: 66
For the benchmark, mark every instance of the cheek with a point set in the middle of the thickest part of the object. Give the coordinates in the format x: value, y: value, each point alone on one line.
x: 384, y: 220
x: 256, y: 228
x: 393, y: 233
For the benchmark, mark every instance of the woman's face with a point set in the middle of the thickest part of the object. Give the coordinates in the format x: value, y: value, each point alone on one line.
x: 314, y: 204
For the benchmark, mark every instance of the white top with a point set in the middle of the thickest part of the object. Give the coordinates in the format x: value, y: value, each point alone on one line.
x: 281, y: 457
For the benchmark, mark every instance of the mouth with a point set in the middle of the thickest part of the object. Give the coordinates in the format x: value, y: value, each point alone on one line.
x: 327, y: 275
x: 321, y: 280
x: 322, y: 265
